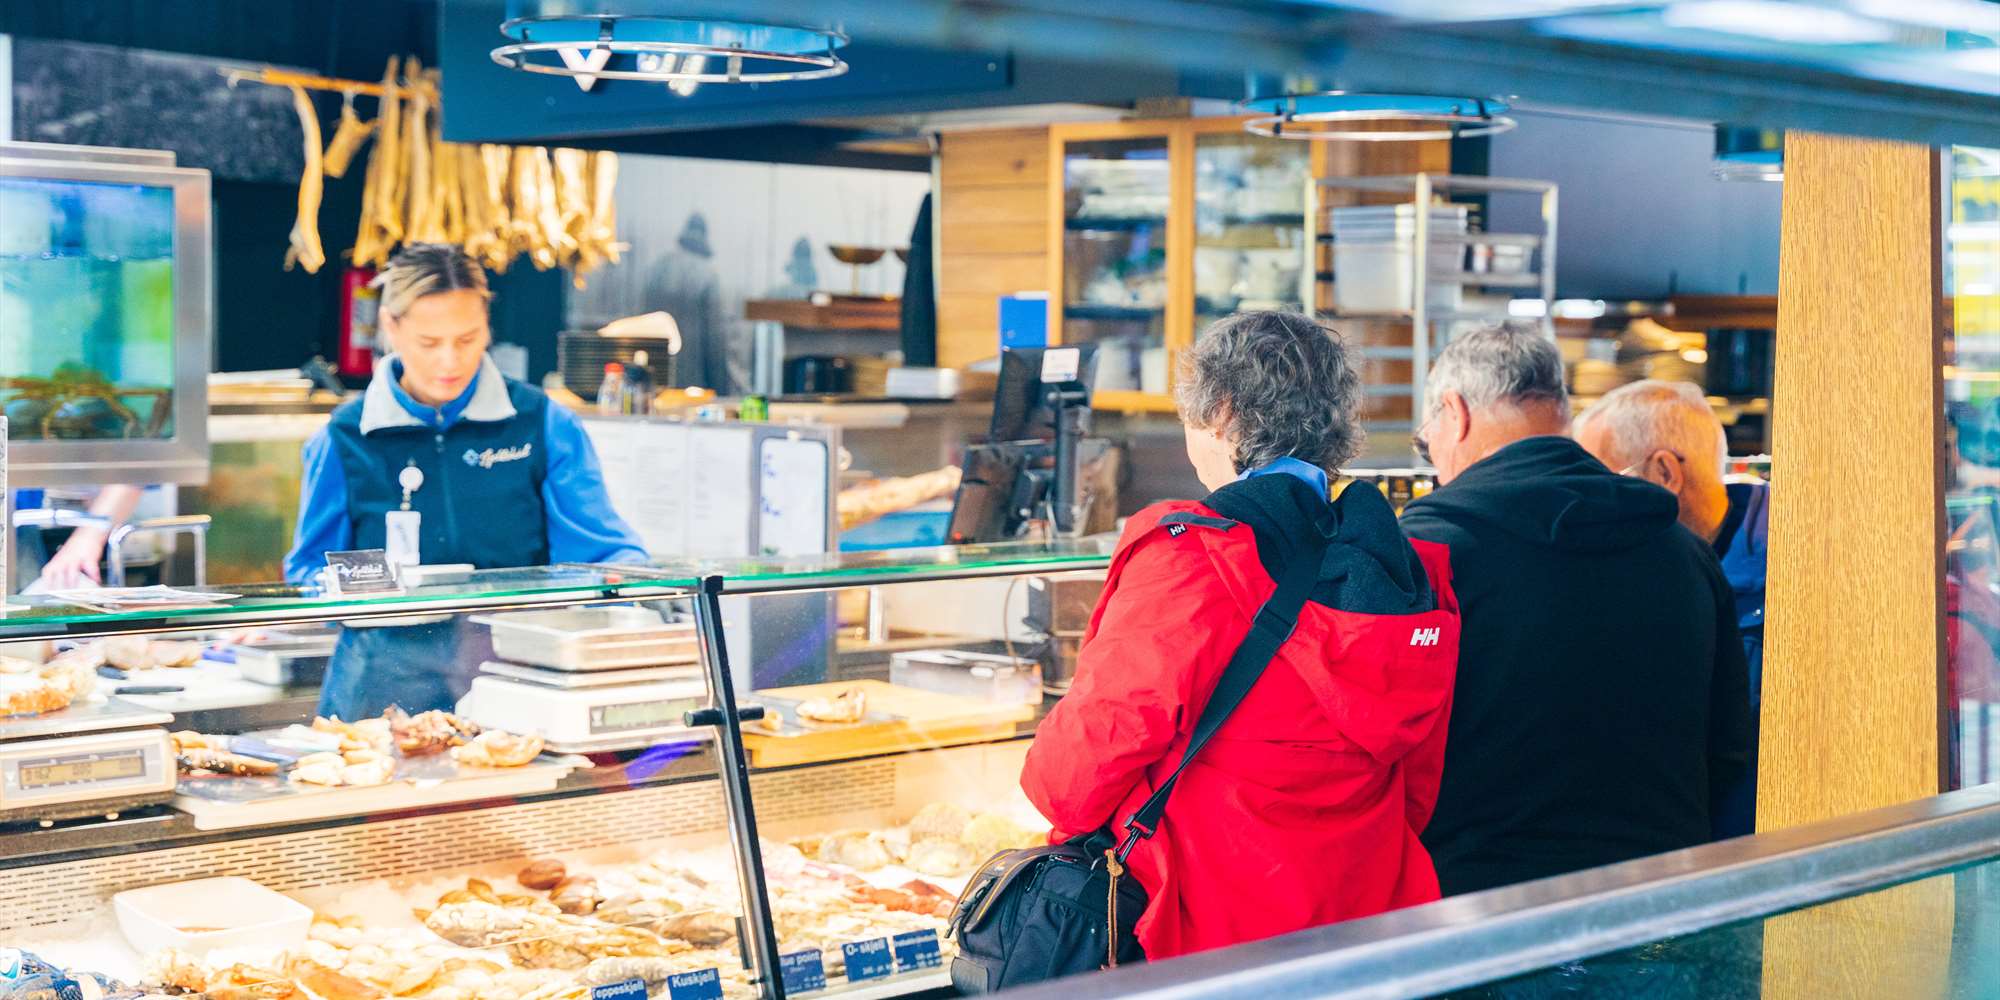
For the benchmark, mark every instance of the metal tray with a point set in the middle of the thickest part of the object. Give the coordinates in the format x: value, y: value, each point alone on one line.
x: 608, y: 638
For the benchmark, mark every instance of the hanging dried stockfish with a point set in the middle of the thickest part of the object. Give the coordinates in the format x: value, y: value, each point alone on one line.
x: 305, y: 249
x: 347, y: 138
x: 381, y: 223
x: 417, y: 176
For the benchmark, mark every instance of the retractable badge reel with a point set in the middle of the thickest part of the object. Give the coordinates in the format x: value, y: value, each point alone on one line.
x: 402, y: 537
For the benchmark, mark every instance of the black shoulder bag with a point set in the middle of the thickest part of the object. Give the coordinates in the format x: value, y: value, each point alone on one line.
x: 1045, y: 912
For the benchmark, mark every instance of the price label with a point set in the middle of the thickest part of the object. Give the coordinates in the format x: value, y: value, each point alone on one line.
x: 917, y: 950
x: 629, y: 989
x: 802, y: 971
x: 870, y: 959
x: 703, y: 985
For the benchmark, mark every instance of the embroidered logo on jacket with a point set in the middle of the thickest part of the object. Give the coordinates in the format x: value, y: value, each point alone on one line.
x: 1424, y: 637
x: 491, y: 457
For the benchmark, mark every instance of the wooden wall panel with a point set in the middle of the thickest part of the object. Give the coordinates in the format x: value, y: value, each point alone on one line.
x: 993, y: 207
x: 1853, y: 637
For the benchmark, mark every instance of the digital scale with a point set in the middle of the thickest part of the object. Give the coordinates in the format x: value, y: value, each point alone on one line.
x: 589, y: 712
x: 94, y: 759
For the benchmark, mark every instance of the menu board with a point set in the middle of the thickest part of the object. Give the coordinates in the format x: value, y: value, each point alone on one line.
x: 722, y: 490
x: 791, y: 496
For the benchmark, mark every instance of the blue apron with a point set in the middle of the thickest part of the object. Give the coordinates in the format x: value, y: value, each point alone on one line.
x: 481, y: 503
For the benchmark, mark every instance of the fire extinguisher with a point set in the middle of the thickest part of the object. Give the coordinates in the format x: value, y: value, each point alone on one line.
x: 359, y: 301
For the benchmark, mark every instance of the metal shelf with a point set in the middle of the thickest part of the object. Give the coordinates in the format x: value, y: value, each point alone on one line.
x: 1112, y: 224
x: 1433, y: 328
x: 1087, y: 310
x: 1525, y: 280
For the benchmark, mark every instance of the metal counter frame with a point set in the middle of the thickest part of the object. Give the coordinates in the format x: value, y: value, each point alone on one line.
x: 1482, y: 937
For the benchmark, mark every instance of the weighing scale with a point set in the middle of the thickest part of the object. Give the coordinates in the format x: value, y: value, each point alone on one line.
x: 93, y: 759
x: 589, y: 712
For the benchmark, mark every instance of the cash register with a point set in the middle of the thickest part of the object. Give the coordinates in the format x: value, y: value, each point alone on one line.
x: 1037, y: 463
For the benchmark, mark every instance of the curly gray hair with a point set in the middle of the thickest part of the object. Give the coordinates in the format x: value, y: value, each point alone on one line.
x: 1284, y: 383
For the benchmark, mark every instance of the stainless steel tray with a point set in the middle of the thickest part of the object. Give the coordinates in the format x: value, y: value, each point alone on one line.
x: 606, y: 638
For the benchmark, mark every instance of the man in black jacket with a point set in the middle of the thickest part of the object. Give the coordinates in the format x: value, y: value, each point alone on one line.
x: 1602, y: 697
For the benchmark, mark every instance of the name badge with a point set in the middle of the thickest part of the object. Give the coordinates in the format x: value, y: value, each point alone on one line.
x: 802, y: 971
x: 703, y: 985
x: 868, y: 959
x: 917, y: 950
x: 404, y: 541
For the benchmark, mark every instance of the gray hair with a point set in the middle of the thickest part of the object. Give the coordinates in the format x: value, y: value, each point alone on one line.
x: 1286, y: 383
x: 1505, y: 364
x: 1644, y: 417
x: 421, y: 269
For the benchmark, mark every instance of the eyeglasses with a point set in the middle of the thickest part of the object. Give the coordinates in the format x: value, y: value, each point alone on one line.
x: 1635, y: 467
x: 1420, y: 444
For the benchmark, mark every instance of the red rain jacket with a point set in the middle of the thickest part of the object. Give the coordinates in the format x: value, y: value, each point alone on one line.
x: 1304, y: 808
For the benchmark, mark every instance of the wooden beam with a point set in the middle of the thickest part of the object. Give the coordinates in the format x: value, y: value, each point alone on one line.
x: 1854, y: 643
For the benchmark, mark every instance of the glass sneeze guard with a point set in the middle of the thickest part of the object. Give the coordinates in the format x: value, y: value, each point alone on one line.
x: 42, y: 617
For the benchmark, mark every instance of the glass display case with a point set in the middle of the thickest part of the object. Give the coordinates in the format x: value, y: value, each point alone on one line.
x: 1116, y: 195
x: 1250, y: 203
x: 105, y: 297
x: 1168, y: 225
x: 749, y: 778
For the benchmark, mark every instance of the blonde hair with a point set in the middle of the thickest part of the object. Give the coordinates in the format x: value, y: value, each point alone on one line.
x: 421, y: 269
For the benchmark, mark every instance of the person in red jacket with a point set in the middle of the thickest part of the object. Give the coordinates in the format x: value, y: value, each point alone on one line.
x: 1305, y: 807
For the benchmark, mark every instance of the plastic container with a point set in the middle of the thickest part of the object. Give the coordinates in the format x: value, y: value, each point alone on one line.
x: 591, y: 638
x: 1377, y: 278
x: 207, y: 914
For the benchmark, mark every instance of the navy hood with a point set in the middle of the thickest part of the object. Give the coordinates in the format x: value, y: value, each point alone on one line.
x: 1369, y: 569
x: 1549, y: 491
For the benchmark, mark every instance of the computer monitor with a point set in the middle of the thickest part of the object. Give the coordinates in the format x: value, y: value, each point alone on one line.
x: 1021, y: 410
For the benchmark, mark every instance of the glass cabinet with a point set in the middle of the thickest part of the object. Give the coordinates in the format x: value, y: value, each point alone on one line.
x: 738, y: 778
x: 1249, y: 195
x: 1166, y: 226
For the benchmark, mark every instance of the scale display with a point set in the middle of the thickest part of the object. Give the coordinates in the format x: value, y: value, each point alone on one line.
x: 641, y: 715
x: 81, y: 768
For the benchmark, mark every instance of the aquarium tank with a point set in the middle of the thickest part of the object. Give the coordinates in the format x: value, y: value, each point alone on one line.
x: 86, y: 309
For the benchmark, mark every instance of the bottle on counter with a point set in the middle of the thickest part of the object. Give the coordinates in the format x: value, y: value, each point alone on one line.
x: 639, y: 384
x: 611, y: 391
x: 754, y: 408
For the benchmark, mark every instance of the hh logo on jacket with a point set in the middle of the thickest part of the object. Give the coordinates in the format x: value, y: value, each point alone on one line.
x: 1424, y: 637
x: 491, y: 457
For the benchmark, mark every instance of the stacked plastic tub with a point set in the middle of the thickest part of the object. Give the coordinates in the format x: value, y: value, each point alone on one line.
x: 1374, y: 257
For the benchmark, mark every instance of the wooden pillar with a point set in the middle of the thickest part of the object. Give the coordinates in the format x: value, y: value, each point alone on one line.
x: 1854, y: 649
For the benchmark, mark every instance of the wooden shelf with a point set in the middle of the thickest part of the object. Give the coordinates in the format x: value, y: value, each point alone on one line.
x: 883, y: 315
x: 1132, y: 401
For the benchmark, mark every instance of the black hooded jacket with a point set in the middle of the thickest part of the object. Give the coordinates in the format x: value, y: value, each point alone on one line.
x: 1602, y: 699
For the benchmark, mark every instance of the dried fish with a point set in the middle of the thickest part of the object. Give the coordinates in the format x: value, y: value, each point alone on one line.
x: 305, y: 249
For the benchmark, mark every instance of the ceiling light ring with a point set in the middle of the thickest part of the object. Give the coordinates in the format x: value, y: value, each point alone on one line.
x: 820, y: 61
x: 1455, y: 126
x: 1457, y: 117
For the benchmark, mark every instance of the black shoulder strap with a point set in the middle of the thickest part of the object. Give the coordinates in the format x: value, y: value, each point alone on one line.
x: 1268, y: 631
x: 1201, y: 520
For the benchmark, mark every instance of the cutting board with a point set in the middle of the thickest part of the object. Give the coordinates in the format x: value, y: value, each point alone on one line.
x: 897, y: 718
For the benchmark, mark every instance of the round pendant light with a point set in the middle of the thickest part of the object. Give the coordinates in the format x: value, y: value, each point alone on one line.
x: 659, y: 49
x: 1331, y: 116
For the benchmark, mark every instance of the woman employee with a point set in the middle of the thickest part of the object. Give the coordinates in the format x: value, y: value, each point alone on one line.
x: 443, y: 460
